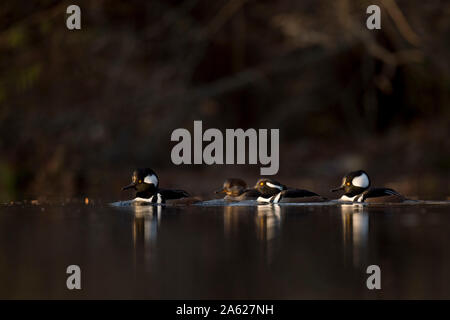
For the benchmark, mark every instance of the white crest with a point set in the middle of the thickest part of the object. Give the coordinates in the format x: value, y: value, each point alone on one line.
x: 361, y: 181
x: 151, y: 179
x: 274, y: 186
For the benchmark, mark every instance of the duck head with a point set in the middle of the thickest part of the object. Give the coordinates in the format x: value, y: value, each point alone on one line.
x: 269, y: 187
x: 232, y: 187
x: 354, y: 183
x: 143, y: 181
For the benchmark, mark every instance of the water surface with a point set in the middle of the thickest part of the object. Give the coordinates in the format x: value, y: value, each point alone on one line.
x: 264, y: 252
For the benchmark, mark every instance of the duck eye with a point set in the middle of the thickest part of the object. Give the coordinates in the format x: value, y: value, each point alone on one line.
x: 261, y: 183
x: 348, y: 183
x: 140, y: 181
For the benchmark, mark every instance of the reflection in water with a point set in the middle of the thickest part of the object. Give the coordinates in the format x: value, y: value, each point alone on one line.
x: 190, y: 257
x: 230, y: 220
x: 145, y: 225
x: 355, y: 235
x: 267, y: 222
x: 268, y: 228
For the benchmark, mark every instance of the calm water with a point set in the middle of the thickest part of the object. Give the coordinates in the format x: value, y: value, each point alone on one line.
x: 286, y: 252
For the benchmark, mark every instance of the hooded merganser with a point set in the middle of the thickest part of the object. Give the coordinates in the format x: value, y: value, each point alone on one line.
x: 356, y: 186
x: 146, y: 182
x: 236, y: 190
x: 275, y: 192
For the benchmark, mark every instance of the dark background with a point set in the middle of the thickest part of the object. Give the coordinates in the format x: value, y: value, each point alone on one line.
x: 80, y: 109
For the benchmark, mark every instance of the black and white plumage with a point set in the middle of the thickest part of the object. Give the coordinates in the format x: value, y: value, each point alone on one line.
x: 274, y: 192
x: 356, y: 187
x: 146, y: 183
x: 381, y: 194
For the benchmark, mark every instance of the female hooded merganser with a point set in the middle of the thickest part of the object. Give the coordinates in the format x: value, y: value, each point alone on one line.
x: 356, y: 186
x: 275, y: 192
x: 146, y: 182
x: 236, y: 190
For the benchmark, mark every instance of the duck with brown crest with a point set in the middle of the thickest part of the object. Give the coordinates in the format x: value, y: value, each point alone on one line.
x: 236, y: 190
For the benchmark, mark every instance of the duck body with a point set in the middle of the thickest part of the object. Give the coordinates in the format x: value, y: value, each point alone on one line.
x: 146, y: 183
x: 381, y: 195
x: 298, y: 196
x: 247, y: 194
x: 236, y: 190
x: 274, y: 192
x: 356, y: 187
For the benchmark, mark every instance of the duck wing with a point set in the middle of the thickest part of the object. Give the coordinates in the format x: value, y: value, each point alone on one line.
x: 297, y: 193
x: 380, y: 192
x: 169, y: 194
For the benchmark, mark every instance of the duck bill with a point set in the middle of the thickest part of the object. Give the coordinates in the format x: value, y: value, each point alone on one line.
x: 338, y: 189
x: 130, y: 186
x: 221, y: 191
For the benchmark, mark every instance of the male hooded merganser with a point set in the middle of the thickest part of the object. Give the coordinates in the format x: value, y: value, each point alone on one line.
x: 356, y: 186
x: 275, y: 192
x: 146, y: 182
x: 236, y: 190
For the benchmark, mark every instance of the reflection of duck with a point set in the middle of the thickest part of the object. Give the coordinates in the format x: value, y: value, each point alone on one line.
x: 275, y: 192
x: 268, y: 221
x: 355, y: 235
x: 268, y: 227
x: 230, y: 219
x: 145, y: 224
x: 356, y: 186
x: 236, y: 190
